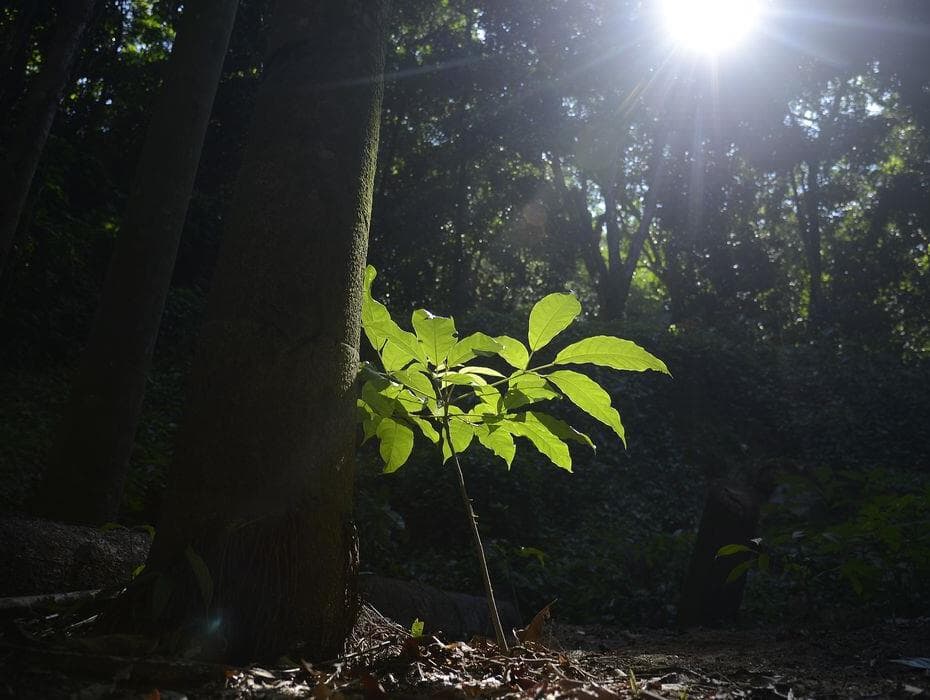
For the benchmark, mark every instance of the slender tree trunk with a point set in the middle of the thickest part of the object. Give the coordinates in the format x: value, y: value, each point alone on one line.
x: 84, y: 482
x: 812, y: 243
x: 261, y: 484
x: 620, y: 274
x: 35, y: 116
x: 575, y: 211
x: 807, y: 206
x: 636, y: 248
x: 611, y: 309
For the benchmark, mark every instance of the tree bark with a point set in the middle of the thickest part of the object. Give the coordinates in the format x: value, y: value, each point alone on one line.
x: 261, y: 484
x: 35, y: 116
x: 84, y: 482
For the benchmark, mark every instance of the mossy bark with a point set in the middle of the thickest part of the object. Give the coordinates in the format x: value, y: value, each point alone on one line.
x: 261, y: 485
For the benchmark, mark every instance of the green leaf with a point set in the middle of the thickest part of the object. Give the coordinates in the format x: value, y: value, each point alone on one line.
x: 416, y: 628
x: 374, y: 398
x: 608, y: 351
x: 499, y: 441
x: 461, y: 431
x: 529, y: 426
x: 485, y: 371
x: 739, y: 570
x: 590, y: 397
x: 398, y: 352
x: 417, y: 381
x: 396, y: 346
x: 550, y: 316
x: 489, y: 397
x: 470, y: 347
x: 202, y: 574
x: 368, y: 418
x: 426, y: 428
x: 728, y: 550
x: 374, y: 313
x: 396, y: 443
x: 463, y: 379
x: 437, y: 333
x: 534, y: 552
x: 513, y: 351
x: 526, y: 389
x: 561, y: 429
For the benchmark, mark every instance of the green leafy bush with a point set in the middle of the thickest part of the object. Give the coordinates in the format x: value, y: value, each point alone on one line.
x: 862, y: 531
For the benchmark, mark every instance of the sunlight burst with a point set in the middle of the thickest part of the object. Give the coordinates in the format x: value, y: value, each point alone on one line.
x: 710, y: 26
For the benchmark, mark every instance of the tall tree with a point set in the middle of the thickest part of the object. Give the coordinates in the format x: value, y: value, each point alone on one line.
x: 34, y: 118
x: 84, y: 482
x: 261, y: 484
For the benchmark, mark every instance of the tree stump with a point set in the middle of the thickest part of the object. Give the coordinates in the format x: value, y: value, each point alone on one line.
x: 731, y: 516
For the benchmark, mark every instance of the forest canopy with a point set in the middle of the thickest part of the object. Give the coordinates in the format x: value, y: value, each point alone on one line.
x: 743, y: 188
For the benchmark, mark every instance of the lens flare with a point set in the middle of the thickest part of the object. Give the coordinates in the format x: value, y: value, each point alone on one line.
x: 710, y: 26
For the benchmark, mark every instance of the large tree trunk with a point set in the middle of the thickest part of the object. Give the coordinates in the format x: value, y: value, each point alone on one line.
x: 85, y: 479
x: 261, y: 485
x: 34, y: 118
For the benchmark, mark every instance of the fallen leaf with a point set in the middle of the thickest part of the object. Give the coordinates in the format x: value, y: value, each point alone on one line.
x: 533, y: 631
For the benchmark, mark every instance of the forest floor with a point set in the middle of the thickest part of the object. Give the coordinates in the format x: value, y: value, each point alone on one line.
x: 569, y: 661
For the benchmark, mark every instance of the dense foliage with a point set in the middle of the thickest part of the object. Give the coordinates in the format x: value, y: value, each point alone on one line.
x: 762, y: 225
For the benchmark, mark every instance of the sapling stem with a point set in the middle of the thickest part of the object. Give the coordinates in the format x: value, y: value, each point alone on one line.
x: 476, y: 538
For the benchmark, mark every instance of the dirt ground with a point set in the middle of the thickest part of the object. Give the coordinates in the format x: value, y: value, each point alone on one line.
x: 568, y: 661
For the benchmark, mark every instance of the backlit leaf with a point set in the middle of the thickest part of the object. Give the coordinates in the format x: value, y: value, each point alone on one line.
x: 396, y: 443
x: 463, y: 379
x: 527, y: 425
x: 561, y: 429
x: 513, y: 351
x: 436, y: 333
x: 381, y: 329
x: 526, y: 389
x: 417, y: 381
x: 500, y: 442
x: 426, y: 428
x: 461, y: 430
x: 485, y: 371
x: 608, y: 351
x: 590, y: 397
x: 469, y: 347
x: 374, y: 398
x: 550, y: 316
